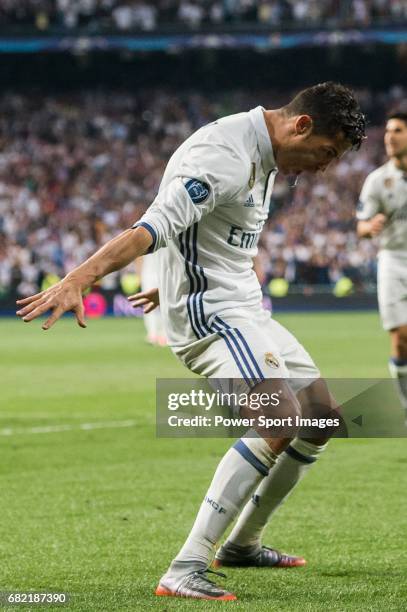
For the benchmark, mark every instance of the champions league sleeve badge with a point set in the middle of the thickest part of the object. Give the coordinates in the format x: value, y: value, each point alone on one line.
x: 197, y: 190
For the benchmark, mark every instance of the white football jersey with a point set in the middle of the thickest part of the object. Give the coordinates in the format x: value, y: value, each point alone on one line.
x: 385, y: 191
x: 210, y: 209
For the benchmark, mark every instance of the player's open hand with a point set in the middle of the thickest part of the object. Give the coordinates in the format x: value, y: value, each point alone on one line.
x: 377, y: 224
x: 63, y: 297
x: 148, y: 299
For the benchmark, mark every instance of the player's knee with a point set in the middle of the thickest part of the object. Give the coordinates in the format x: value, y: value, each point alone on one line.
x: 318, y: 403
x: 289, y: 405
x: 272, y: 399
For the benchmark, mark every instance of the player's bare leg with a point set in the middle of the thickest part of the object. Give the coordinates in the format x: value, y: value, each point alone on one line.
x: 244, y: 545
x: 237, y: 475
x: 154, y: 328
x: 398, y: 362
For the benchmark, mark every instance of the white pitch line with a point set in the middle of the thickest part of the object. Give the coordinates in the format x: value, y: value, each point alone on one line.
x: 10, y: 431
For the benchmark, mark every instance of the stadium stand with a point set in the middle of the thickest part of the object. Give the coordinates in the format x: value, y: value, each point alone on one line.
x: 126, y: 15
x: 75, y: 169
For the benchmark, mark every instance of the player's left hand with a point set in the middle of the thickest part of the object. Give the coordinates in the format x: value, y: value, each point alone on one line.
x: 150, y: 300
x: 63, y: 297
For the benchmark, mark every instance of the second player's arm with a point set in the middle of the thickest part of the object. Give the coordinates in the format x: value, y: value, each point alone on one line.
x: 67, y: 294
x: 371, y: 227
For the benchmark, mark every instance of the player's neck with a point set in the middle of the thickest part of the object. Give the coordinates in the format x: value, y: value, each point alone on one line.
x: 274, y: 122
x: 400, y: 162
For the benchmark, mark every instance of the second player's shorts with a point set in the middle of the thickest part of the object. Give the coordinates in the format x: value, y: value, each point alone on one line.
x: 249, y: 346
x: 392, y: 289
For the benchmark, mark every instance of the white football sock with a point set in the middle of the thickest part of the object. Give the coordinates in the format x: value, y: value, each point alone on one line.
x: 398, y: 371
x: 291, y: 467
x: 235, y: 478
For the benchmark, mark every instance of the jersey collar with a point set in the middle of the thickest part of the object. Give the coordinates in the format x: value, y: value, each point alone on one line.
x: 396, y: 169
x: 263, y: 139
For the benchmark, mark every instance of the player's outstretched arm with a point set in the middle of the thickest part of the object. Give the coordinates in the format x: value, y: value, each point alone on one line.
x: 371, y: 227
x: 67, y: 294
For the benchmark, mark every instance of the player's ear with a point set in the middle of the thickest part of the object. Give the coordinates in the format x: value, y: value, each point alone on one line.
x: 303, y: 125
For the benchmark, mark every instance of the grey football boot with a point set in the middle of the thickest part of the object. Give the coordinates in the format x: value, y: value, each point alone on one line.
x: 196, y: 586
x: 232, y: 555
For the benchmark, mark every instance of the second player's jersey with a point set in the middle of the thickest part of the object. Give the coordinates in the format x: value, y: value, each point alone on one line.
x: 210, y: 209
x: 385, y: 191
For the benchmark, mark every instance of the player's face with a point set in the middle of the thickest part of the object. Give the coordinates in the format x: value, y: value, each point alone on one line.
x: 305, y: 151
x: 395, y: 138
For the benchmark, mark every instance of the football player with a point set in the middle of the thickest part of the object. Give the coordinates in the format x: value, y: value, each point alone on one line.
x: 210, y: 209
x: 382, y: 212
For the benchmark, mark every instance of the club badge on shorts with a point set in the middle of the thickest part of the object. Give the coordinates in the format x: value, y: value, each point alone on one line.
x: 271, y: 360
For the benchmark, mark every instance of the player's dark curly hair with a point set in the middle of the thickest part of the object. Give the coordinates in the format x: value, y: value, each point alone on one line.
x: 401, y: 115
x: 333, y: 109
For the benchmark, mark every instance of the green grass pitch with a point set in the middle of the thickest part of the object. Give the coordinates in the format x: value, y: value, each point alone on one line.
x: 100, y: 513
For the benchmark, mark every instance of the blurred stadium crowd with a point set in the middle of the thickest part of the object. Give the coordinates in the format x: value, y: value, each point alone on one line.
x: 76, y: 169
x: 97, y: 15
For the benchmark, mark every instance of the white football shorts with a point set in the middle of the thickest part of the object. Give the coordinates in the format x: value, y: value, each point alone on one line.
x: 249, y: 346
x: 392, y: 289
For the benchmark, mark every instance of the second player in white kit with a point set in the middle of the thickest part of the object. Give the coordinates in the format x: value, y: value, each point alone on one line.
x: 382, y: 212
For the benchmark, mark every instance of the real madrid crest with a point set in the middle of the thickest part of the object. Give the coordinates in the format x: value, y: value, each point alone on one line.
x: 271, y: 360
x: 388, y: 182
x: 252, y: 178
